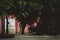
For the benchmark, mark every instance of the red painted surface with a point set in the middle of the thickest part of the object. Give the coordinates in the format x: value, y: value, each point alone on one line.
x: 26, y: 30
x: 16, y: 23
x: 0, y: 25
x: 35, y: 23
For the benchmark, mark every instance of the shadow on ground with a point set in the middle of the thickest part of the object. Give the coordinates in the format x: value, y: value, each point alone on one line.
x: 6, y: 36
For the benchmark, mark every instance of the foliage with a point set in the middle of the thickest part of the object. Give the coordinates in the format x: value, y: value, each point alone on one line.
x: 26, y: 8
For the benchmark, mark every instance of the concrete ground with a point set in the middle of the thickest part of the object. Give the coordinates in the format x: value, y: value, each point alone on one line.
x: 33, y: 37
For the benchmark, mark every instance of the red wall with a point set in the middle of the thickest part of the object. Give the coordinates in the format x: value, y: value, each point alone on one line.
x: 0, y: 25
